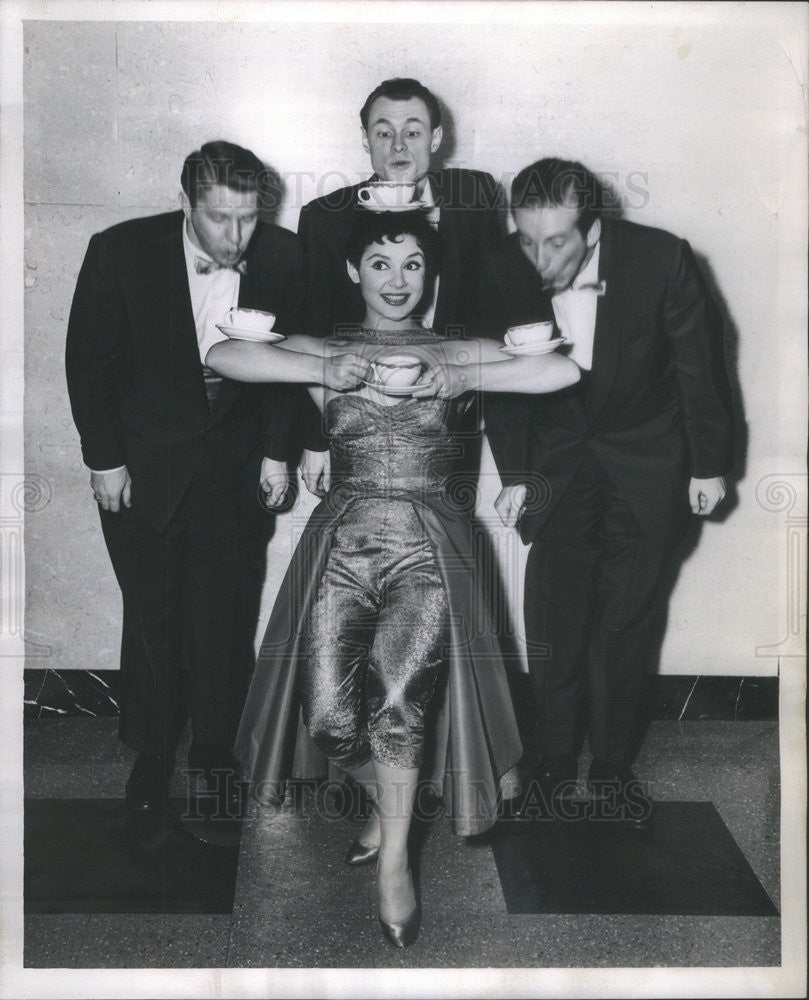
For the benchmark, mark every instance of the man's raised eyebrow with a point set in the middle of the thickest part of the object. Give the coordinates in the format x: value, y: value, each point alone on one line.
x: 408, y: 121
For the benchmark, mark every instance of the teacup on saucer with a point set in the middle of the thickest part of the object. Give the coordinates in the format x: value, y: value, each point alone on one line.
x: 397, y: 370
x: 255, y: 320
x: 529, y: 333
x: 387, y: 194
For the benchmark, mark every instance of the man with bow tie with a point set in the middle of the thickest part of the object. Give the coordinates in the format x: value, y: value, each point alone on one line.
x: 179, y: 457
x: 602, y: 477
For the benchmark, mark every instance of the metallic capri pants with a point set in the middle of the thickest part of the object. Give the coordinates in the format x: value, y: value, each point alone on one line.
x: 376, y: 638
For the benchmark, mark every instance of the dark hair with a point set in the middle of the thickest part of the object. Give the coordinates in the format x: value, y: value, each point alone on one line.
x: 222, y: 163
x: 402, y: 89
x: 375, y: 227
x: 553, y: 182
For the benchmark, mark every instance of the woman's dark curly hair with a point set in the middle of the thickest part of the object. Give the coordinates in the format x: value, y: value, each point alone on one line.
x: 375, y: 227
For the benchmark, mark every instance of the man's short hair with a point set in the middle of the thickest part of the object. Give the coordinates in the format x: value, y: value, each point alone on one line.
x: 553, y: 182
x: 220, y: 163
x: 402, y: 89
x: 375, y: 227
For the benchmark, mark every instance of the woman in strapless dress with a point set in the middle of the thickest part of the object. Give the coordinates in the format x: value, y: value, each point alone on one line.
x: 381, y: 641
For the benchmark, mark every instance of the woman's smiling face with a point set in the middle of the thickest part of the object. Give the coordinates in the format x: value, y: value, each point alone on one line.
x: 391, y: 279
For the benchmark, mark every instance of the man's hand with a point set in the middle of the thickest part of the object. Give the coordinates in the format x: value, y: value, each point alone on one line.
x: 511, y: 503
x: 344, y: 371
x: 274, y: 480
x: 111, y: 489
x: 316, y: 472
x: 705, y: 494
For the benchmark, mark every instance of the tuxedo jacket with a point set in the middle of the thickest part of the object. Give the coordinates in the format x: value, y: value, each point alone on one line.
x: 134, y: 373
x: 468, y: 228
x: 655, y: 409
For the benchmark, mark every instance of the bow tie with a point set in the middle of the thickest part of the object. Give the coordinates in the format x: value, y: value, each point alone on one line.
x: 203, y: 265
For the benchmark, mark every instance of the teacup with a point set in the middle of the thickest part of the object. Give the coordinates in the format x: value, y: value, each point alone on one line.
x: 387, y: 194
x: 255, y: 320
x: 529, y: 333
x: 397, y: 370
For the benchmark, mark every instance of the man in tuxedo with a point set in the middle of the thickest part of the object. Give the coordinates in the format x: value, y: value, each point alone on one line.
x: 604, y: 476
x: 401, y: 131
x: 177, y: 454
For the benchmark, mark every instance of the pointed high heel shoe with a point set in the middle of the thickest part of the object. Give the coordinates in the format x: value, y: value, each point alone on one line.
x: 358, y: 854
x: 403, y: 934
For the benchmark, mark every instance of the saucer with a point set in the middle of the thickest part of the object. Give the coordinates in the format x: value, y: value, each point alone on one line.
x: 256, y: 336
x: 528, y: 349
x: 411, y: 206
x: 394, y: 390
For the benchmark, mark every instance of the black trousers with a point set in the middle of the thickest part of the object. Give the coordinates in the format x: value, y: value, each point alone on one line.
x: 190, y: 607
x: 592, y: 577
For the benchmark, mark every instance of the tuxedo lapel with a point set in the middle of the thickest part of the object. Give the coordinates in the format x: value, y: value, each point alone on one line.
x: 184, y: 348
x: 607, y: 335
x: 228, y: 389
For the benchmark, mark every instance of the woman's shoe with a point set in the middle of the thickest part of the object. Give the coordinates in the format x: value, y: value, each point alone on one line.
x: 358, y: 854
x: 405, y: 933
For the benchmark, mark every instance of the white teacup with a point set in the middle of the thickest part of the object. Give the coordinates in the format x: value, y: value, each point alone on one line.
x: 529, y: 333
x: 255, y: 320
x: 387, y: 194
x: 397, y: 370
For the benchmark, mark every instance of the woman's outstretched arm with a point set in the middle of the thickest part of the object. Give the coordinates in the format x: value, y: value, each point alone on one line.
x: 298, y: 359
x: 479, y: 365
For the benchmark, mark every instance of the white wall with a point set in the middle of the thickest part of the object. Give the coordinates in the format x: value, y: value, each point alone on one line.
x: 695, y: 110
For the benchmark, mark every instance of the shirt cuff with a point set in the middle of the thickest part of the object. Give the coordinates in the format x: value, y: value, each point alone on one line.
x: 106, y: 472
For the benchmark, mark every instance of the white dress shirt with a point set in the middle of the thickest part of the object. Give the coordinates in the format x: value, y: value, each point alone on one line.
x: 211, y: 297
x: 575, y: 311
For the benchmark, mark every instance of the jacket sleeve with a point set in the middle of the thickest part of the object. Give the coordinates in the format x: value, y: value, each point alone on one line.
x: 505, y: 415
x: 319, y: 293
x: 93, y: 355
x: 492, y: 206
x: 290, y: 418
x: 693, y: 327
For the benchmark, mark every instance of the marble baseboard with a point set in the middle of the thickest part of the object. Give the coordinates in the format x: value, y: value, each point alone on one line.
x: 671, y: 696
x: 70, y: 692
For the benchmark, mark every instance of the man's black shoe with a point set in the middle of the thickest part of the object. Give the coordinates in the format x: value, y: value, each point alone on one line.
x: 215, y: 787
x: 147, y: 789
x: 619, y: 796
x: 215, y: 794
x: 546, y: 792
x: 557, y: 777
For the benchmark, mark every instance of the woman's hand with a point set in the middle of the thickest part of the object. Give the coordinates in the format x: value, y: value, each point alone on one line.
x: 342, y: 370
x: 443, y: 380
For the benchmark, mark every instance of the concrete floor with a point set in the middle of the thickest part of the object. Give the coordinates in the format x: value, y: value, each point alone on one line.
x: 298, y: 906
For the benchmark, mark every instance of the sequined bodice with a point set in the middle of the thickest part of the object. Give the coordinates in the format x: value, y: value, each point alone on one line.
x: 409, y: 446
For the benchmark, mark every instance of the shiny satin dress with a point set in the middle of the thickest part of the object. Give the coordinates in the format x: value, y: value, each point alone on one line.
x: 381, y: 644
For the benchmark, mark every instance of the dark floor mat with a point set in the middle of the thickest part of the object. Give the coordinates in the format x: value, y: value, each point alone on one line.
x: 81, y: 856
x: 688, y: 864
